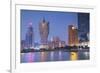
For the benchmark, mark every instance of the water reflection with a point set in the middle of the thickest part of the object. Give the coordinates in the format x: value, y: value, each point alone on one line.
x: 53, y: 56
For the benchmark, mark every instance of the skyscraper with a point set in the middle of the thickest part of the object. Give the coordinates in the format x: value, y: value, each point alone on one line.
x: 73, y: 35
x: 23, y: 44
x: 83, y: 26
x: 56, y: 41
x: 29, y: 36
x: 44, y: 31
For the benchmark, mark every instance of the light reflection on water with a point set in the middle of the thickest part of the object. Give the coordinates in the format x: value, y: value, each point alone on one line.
x: 50, y: 56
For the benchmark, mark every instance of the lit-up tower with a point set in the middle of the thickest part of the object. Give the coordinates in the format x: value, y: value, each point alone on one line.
x: 73, y: 40
x: 30, y: 36
x: 44, y: 31
x: 72, y: 36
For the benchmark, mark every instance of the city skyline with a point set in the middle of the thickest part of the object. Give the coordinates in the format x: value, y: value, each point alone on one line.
x: 58, y: 26
x: 54, y: 36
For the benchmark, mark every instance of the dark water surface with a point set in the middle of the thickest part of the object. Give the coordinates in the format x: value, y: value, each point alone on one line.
x: 51, y: 56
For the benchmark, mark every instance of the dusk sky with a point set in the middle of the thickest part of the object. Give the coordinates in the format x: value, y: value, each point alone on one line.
x: 58, y: 23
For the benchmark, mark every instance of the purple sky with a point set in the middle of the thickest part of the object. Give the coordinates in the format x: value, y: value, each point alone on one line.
x: 58, y: 23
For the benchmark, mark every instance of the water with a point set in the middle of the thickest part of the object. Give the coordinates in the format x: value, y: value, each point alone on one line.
x: 51, y: 56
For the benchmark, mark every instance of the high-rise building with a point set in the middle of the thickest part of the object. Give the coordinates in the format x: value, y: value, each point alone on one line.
x: 56, y: 41
x: 50, y: 44
x: 83, y: 26
x: 30, y: 36
x: 23, y: 44
x: 44, y: 31
x: 73, y: 35
x: 62, y: 44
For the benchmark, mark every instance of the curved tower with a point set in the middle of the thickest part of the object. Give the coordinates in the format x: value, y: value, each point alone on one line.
x: 44, y: 31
